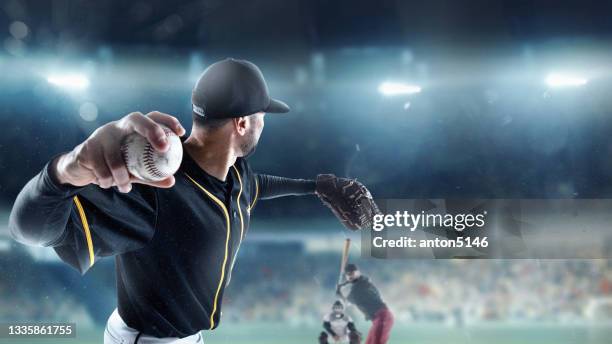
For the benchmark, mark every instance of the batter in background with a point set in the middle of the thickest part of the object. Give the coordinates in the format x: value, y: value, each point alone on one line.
x: 363, y: 294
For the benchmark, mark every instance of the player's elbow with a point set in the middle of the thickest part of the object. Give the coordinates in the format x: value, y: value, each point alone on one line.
x: 22, y: 230
x: 28, y: 229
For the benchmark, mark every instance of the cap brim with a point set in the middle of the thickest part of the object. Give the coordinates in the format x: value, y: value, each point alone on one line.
x: 276, y: 106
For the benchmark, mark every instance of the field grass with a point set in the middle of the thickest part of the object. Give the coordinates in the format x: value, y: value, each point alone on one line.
x: 418, y: 334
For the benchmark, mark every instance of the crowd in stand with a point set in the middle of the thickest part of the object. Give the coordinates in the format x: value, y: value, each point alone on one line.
x: 449, y: 291
x: 299, y: 289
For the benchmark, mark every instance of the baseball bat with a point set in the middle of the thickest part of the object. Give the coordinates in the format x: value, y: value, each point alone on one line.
x: 345, y: 253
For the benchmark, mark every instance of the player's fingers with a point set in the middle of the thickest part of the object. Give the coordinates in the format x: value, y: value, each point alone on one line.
x: 116, y: 165
x: 167, y: 120
x: 166, y: 183
x: 88, y: 176
x: 101, y: 171
x: 82, y: 156
x: 91, y: 166
x: 84, y: 176
x: 148, y: 128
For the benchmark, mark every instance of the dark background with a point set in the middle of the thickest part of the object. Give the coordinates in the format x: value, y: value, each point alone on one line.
x: 485, y: 125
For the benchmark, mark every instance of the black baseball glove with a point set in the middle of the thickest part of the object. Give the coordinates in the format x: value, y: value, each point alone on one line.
x: 348, y: 199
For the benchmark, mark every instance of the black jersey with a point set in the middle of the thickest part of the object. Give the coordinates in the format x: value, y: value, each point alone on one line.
x: 174, y: 248
x: 365, y: 296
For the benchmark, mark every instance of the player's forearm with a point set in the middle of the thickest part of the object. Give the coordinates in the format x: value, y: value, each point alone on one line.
x: 41, y: 210
x: 273, y: 186
x: 339, y: 291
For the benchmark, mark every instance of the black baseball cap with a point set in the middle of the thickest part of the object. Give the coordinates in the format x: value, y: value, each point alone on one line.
x: 350, y: 268
x: 233, y: 88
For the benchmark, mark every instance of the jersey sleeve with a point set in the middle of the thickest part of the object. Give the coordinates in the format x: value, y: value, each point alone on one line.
x: 105, y: 223
x: 263, y: 186
x: 274, y: 186
x: 83, y: 224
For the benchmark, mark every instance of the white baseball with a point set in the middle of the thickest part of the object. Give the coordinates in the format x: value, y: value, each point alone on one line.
x: 146, y: 163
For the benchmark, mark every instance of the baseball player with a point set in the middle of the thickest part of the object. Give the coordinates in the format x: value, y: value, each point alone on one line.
x: 174, y: 240
x: 366, y: 297
x: 339, y: 326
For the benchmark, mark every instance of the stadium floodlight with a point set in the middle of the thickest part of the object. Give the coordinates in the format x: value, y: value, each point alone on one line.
x: 396, y: 88
x: 562, y: 80
x: 69, y: 81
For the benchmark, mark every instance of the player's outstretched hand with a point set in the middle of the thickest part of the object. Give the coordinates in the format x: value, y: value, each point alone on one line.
x: 348, y: 199
x: 98, y: 159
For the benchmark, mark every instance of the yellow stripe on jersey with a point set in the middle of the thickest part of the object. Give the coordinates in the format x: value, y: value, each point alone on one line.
x: 85, y: 229
x: 239, y: 209
x: 241, y: 220
x: 227, y: 238
x: 256, y: 194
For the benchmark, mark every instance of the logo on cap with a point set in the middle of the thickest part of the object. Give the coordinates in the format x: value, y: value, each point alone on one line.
x: 198, y: 110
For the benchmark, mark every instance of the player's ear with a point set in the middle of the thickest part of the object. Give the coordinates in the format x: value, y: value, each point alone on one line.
x: 241, y: 124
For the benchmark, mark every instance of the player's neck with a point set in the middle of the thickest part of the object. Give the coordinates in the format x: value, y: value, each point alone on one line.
x: 213, y: 154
